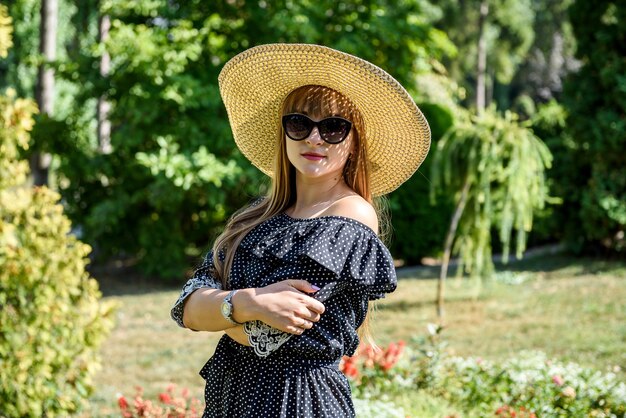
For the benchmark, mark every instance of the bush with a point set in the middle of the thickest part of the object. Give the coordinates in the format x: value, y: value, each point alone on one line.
x: 595, y: 100
x: 524, y: 386
x: 366, y: 408
x: 535, y: 383
x: 51, y: 320
x: 419, y: 227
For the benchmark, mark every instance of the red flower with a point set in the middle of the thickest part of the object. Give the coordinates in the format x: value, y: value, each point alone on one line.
x: 348, y: 366
x: 165, y: 398
x: 122, y: 402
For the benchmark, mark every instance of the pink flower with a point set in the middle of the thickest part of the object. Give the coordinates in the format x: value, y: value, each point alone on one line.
x: 558, y: 380
x: 569, y: 392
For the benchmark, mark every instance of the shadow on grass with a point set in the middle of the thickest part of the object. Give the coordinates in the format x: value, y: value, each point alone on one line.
x: 120, y: 280
x: 570, y: 265
x: 116, y: 279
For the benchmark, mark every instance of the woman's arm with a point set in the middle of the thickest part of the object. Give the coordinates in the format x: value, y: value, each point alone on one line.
x: 283, y: 305
x: 237, y: 334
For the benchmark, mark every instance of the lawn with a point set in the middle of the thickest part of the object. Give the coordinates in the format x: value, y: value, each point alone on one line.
x: 572, y: 309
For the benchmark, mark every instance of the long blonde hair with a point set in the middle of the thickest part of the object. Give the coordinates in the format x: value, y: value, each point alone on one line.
x: 317, y: 101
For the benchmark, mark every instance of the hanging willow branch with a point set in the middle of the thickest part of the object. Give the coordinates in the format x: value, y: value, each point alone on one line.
x: 494, y: 165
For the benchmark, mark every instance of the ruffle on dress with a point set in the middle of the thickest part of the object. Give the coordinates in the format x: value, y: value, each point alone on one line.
x: 343, y: 246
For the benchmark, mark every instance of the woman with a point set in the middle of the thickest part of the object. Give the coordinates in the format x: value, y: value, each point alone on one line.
x: 290, y: 278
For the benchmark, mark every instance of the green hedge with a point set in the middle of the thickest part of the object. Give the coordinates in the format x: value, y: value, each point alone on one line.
x: 51, y: 319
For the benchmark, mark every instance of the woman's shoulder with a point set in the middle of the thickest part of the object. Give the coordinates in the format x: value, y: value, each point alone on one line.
x: 357, y: 208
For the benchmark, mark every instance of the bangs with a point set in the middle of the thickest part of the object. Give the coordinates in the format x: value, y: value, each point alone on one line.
x: 318, y: 102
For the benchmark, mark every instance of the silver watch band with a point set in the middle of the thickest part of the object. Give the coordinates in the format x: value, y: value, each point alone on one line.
x: 228, y: 301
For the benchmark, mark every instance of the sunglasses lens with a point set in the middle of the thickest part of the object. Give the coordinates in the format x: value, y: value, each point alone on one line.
x: 297, y: 126
x: 334, y: 130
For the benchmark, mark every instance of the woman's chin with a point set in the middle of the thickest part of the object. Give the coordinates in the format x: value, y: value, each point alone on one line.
x: 313, y: 172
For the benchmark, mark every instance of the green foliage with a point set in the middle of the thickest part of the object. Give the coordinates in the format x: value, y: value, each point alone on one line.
x: 508, y: 32
x: 529, y: 382
x: 15, y: 122
x: 534, y: 382
x: 595, y: 98
x: 377, y: 409
x: 5, y: 32
x: 420, y: 227
x: 503, y: 163
x: 175, y: 174
x: 549, y: 124
x: 51, y: 320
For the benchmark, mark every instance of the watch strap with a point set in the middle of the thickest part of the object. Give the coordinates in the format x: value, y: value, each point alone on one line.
x: 228, y: 300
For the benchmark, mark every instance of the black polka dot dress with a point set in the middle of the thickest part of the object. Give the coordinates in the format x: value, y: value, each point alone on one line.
x: 286, y: 375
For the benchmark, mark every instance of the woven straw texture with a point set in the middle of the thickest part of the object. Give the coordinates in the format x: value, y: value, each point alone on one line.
x: 254, y: 84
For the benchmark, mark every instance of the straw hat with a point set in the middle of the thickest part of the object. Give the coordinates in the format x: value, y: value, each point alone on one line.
x: 255, y: 83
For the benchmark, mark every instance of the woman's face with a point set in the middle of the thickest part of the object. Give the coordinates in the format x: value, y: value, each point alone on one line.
x: 314, y: 158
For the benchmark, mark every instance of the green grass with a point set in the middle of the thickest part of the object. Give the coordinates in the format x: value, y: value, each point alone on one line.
x: 571, y: 309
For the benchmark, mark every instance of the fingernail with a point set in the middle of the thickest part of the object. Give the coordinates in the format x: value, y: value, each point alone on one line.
x: 315, y: 287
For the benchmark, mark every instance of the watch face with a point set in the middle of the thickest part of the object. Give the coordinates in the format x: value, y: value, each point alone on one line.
x: 226, y: 309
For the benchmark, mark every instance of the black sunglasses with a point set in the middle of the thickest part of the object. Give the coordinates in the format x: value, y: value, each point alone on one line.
x: 332, y: 130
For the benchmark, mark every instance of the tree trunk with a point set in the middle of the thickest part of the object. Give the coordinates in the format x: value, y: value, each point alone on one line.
x: 104, y: 107
x: 482, y: 58
x: 454, y: 223
x: 44, y: 92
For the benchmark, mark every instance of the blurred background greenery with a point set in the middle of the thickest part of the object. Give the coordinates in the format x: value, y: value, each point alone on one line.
x: 526, y: 100
x: 155, y: 179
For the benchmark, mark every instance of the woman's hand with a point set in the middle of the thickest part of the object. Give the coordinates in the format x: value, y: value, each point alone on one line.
x: 284, y: 305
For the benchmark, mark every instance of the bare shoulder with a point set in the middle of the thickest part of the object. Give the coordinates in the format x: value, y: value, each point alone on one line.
x: 357, y: 208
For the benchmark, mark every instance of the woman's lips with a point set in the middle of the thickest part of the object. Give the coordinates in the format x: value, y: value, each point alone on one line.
x: 313, y: 157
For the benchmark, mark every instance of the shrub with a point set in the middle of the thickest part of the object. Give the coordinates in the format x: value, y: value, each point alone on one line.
x: 366, y: 408
x: 534, y: 382
x: 51, y: 320
x: 528, y: 385
x: 594, y: 97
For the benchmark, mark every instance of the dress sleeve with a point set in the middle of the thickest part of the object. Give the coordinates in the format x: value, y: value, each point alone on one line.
x: 371, y: 266
x: 356, y: 255
x: 202, y: 278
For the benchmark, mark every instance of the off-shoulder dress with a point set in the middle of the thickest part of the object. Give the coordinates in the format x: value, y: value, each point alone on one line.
x: 286, y: 375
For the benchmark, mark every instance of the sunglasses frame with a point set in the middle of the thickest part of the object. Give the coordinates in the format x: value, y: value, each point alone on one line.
x: 315, y: 124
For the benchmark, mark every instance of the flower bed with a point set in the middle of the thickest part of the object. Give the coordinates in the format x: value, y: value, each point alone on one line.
x: 527, y: 386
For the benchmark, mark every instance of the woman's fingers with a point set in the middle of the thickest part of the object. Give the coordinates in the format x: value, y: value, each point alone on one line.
x: 303, y: 285
x: 286, y: 306
x: 300, y: 326
x: 308, y: 314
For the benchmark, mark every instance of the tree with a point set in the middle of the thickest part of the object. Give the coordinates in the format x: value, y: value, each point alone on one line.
x: 174, y: 173
x: 40, y: 162
x: 52, y: 321
x: 493, y: 38
x: 595, y: 98
x: 495, y: 168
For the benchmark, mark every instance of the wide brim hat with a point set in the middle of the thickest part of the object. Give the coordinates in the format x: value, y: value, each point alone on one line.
x: 254, y: 84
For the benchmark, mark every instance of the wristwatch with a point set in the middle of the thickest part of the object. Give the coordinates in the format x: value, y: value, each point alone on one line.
x: 227, y: 307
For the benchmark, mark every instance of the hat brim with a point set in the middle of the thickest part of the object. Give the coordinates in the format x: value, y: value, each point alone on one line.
x: 254, y: 84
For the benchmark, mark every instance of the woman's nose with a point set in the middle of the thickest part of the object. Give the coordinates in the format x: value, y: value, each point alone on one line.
x: 314, y: 137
